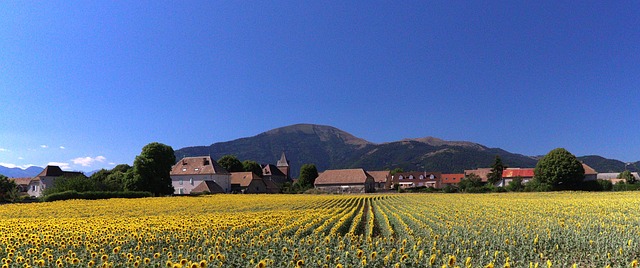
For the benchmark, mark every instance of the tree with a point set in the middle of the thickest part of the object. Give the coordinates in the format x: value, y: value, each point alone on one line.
x: 396, y: 170
x: 496, y: 171
x: 73, y: 183
x: 627, y: 177
x: 231, y: 163
x: 8, y: 189
x: 516, y: 185
x: 252, y: 166
x: 308, y: 175
x: 560, y: 169
x: 151, y: 170
x: 470, y: 182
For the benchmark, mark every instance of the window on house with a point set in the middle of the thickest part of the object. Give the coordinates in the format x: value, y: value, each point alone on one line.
x: 197, y: 169
x: 33, y: 187
x: 421, y: 177
x: 180, y: 182
x: 191, y: 181
x: 184, y: 169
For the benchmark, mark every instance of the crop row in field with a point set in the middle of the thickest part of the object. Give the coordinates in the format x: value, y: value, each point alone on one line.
x: 412, y: 230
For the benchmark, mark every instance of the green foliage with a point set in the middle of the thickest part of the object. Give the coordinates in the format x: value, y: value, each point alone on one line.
x: 8, y: 190
x: 560, y: 169
x: 114, y: 179
x: 627, y: 177
x: 94, y: 195
x: 536, y: 185
x: 308, y: 175
x: 231, y: 163
x: 620, y: 186
x: 516, y: 185
x: 496, y: 171
x: 396, y: 171
x: 252, y: 166
x: 152, y: 170
x: 470, y: 183
x: 449, y: 189
x: 75, y: 183
x: 606, y: 185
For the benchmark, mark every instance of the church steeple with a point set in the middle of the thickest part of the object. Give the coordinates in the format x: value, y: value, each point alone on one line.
x: 283, y: 165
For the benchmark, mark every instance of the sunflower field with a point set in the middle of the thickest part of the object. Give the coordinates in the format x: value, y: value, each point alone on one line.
x: 568, y: 229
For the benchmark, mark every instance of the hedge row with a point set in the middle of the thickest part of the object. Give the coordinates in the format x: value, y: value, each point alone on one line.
x: 94, y: 195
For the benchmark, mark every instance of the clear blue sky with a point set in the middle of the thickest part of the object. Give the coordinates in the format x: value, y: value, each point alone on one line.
x: 88, y: 83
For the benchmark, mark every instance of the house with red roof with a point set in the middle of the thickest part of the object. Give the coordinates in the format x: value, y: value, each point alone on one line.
x: 451, y: 179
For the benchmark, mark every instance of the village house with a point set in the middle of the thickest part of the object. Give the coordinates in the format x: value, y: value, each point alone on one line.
x: 481, y: 172
x: 590, y: 174
x: 190, y: 172
x: 417, y: 179
x: 47, y: 178
x: 345, y: 181
x: 508, y: 174
x: 613, y: 177
x: 276, y: 176
x: 381, y: 178
x: 451, y: 179
x: 247, y: 183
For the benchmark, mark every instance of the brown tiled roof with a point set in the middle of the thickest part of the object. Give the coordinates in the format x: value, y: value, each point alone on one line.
x: 272, y: 187
x: 196, y: 166
x: 452, y: 178
x: 343, y: 176
x: 243, y: 178
x: 588, y: 170
x: 21, y: 181
x: 271, y: 170
x: 208, y: 186
x: 482, y: 172
x: 55, y: 171
x: 380, y: 176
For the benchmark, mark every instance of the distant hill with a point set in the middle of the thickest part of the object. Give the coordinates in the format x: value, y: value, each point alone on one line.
x: 330, y: 148
x: 20, y: 173
x: 604, y: 165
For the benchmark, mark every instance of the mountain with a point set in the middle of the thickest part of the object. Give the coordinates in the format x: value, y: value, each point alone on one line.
x: 604, y: 165
x: 20, y: 173
x: 331, y: 148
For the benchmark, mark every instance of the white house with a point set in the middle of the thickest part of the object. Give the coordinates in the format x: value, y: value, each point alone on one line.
x: 190, y: 172
x: 47, y: 178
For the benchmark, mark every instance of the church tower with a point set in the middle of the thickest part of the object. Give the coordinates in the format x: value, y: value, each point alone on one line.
x: 283, y: 165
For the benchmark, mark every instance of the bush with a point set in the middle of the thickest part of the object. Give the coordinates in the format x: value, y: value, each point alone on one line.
x: 536, y: 186
x: 626, y: 187
x: 606, y: 185
x: 449, y: 189
x: 94, y: 195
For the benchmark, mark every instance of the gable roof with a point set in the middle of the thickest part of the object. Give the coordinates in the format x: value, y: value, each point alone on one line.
x: 380, y: 176
x: 271, y: 170
x: 343, y: 176
x: 56, y: 171
x: 518, y: 172
x: 21, y: 181
x: 243, y: 178
x: 272, y: 187
x: 197, y: 165
x: 208, y: 186
x: 588, y: 170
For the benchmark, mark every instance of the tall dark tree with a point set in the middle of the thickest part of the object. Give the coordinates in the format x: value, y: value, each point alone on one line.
x: 252, y: 166
x: 560, y: 169
x: 8, y: 189
x: 231, y: 163
x: 152, y: 170
x: 496, y: 171
x: 308, y: 175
